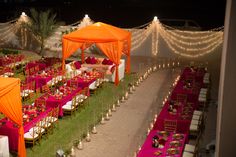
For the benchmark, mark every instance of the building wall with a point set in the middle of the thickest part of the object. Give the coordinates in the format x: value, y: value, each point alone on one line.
x: 226, y: 122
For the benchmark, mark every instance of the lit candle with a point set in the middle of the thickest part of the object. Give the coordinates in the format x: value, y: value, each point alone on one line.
x: 88, y: 138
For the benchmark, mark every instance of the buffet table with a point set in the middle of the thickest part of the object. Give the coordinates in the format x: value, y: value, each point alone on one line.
x: 171, y: 144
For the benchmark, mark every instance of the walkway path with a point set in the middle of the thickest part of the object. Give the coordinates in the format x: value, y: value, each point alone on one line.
x: 119, y: 135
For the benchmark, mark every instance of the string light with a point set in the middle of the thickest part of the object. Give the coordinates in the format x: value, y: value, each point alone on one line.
x: 155, y: 37
x: 194, y: 32
x: 188, y: 48
x: 177, y: 39
x: 185, y: 48
x: 184, y: 43
x: 54, y: 42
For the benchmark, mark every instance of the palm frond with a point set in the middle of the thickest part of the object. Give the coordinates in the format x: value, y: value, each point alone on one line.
x: 42, y: 24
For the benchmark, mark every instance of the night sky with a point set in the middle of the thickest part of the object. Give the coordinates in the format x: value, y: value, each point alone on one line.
x: 123, y: 13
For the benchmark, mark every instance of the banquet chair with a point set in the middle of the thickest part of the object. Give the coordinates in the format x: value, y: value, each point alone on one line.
x: 31, y: 95
x: 55, y: 115
x: 73, y: 83
x: 170, y: 125
x: 38, y: 129
x: 191, y: 148
x: 40, y: 102
x: 70, y: 107
x: 80, y: 98
x: 92, y: 87
x: 36, y: 68
x: 196, y: 125
x: 31, y: 71
x: 46, y: 124
x: 84, y: 92
x: 181, y: 98
x: 45, y: 88
x: 31, y: 137
x: 27, y: 72
x: 188, y: 154
x: 37, y: 91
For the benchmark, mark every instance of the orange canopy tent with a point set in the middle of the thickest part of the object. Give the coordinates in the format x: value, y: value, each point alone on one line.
x: 11, y: 107
x: 113, y: 42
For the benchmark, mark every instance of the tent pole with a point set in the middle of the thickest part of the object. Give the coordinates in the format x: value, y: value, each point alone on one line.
x: 82, y: 55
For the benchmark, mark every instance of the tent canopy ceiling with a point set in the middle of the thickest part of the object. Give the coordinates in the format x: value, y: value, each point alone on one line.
x: 111, y: 40
x: 98, y: 33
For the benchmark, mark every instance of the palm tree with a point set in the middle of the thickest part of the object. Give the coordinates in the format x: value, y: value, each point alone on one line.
x: 42, y: 24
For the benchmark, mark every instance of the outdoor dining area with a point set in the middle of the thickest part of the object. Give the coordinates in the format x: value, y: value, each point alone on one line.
x: 47, y: 95
x: 181, y: 118
x: 52, y: 88
x: 55, y: 98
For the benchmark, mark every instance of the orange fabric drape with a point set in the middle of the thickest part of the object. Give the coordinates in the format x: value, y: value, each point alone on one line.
x: 108, y: 38
x: 126, y: 51
x: 10, y: 105
x: 68, y: 48
x: 113, y: 51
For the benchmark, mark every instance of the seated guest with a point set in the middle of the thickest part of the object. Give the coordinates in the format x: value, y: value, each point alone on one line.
x: 172, y: 107
x: 155, y: 142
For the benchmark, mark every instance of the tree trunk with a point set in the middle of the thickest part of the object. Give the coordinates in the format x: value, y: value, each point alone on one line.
x: 42, y: 48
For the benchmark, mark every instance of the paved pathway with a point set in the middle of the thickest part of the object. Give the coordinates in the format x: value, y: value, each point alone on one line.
x: 119, y: 135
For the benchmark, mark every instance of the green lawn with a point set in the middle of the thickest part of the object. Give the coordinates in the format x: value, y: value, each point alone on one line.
x: 72, y: 128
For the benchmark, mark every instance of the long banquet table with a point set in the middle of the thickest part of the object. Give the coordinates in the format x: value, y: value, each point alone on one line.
x: 184, y: 111
x: 53, y: 101
x: 182, y: 116
x: 9, y: 129
x: 39, y: 80
x: 189, y: 85
x: 173, y: 145
x: 41, y: 66
x: 85, y: 80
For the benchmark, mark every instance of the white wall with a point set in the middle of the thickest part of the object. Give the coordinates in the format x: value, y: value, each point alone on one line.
x: 226, y: 123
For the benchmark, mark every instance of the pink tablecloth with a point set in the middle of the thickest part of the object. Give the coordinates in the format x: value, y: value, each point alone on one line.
x: 197, y: 74
x: 11, y: 131
x: 52, y: 102
x: 39, y: 80
x: 191, y: 93
x: 183, y: 119
x: 42, y: 66
x: 148, y: 151
x: 81, y: 82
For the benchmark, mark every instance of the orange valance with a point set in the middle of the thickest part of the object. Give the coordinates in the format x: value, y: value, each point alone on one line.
x: 113, y: 42
x: 10, y: 105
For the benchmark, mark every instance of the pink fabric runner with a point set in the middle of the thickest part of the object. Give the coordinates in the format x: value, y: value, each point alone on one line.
x: 39, y: 80
x: 52, y: 101
x: 42, y: 66
x: 183, y: 118
x: 148, y: 151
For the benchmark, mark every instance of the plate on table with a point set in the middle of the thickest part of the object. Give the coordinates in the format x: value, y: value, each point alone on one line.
x: 178, y: 136
x: 175, y: 144
x: 157, y: 153
x: 172, y: 151
x: 163, y: 133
